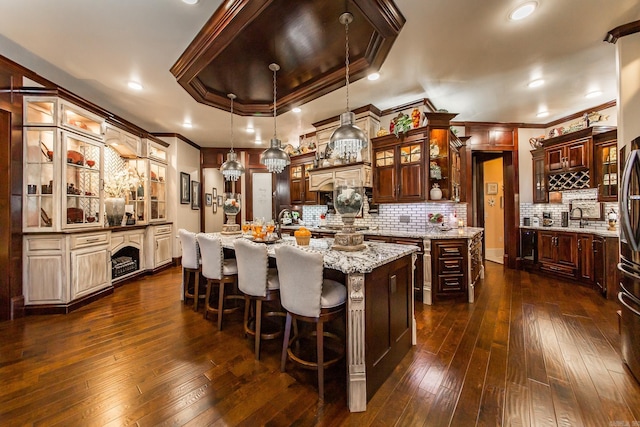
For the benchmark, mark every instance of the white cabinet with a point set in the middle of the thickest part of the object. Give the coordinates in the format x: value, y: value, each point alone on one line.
x: 60, y: 268
x: 159, y: 241
x: 53, y: 111
x: 157, y: 183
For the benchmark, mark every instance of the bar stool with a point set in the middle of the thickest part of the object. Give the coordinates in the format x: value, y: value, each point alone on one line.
x: 259, y: 284
x: 217, y: 270
x: 309, y: 297
x: 190, y: 266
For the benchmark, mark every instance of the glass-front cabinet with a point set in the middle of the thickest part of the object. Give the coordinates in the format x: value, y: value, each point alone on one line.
x: 606, y: 165
x: 62, y: 169
x: 158, y: 156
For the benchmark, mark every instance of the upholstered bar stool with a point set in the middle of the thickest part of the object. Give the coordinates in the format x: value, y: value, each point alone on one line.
x: 220, y: 271
x: 309, y: 297
x: 259, y: 284
x: 190, y: 266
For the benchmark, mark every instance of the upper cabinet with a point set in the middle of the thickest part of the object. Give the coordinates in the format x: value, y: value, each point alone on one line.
x: 606, y: 166
x: 406, y: 169
x: 63, y: 166
x: 569, y: 161
x: 300, y: 190
x: 540, y: 193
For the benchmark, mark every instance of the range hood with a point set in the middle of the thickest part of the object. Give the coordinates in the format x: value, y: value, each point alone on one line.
x: 322, y: 179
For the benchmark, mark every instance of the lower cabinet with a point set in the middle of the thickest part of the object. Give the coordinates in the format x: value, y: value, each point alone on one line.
x: 587, y: 258
x: 449, y: 261
x: 159, y: 239
x: 60, y: 268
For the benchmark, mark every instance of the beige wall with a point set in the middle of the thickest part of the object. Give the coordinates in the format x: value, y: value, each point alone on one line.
x: 212, y: 178
x: 628, y: 57
x: 494, y: 215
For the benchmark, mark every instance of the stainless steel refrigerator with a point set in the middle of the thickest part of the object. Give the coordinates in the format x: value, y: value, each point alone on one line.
x: 629, y: 295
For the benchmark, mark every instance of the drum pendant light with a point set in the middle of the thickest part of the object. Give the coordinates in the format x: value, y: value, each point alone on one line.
x: 232, y: 168
x: 274, y: 157
x: 348, y: 139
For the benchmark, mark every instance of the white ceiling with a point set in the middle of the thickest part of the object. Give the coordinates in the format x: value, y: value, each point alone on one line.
x: 465, y: 55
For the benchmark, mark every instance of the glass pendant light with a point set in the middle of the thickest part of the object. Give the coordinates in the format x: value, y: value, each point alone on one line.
x: 348, y: 139
x: 274, y: 157
x: 232, y: 168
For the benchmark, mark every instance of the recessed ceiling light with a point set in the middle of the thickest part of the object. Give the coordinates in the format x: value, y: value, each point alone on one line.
x: 258, y: 142
x: 190, y: 1
x: 251, y: 130
x: 134, y: 85
x: 187, y: 125
x: 536, y: 83
x: 296, y: 109
x: 543, y: 114
x: 373, y: 76
x: 523, y: 11
x: 594, y: 94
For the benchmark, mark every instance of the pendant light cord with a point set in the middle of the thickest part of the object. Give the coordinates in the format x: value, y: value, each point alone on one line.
x: 275, y: 69
x: 346, y: 31
x: 231, y: 122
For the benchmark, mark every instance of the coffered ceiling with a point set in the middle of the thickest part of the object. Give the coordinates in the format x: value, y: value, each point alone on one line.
x: 465, y: 56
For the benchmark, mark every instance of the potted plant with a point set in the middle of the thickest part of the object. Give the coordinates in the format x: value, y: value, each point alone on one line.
x: 402, y: 125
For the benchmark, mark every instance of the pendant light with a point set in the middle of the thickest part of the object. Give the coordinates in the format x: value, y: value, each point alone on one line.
x: 274, y: 157
x: 348, y: 139
x: 232, y: 168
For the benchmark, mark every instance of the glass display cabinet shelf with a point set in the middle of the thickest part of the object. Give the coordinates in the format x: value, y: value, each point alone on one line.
x: 53, y: 111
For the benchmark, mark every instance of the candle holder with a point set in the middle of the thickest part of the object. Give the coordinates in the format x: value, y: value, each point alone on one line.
x: 231, y: 207
x: 347, y: 201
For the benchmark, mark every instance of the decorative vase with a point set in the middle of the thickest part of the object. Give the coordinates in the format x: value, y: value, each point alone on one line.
x: 231, y: 207
x: 435, y: 193
x: 140, y: 191
x: 348, y: 199
x: 114, y: 208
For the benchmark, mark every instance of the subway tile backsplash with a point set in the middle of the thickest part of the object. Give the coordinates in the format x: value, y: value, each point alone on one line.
x: 528, y: 210
x: 389, y: 215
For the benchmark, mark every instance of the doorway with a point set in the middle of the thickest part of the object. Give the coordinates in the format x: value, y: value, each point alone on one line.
x: 490, y: 203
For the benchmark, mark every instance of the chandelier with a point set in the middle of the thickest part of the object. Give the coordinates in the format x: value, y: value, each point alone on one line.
x: 274, y: 157
x: 348, y: 139
x: 232, y: 168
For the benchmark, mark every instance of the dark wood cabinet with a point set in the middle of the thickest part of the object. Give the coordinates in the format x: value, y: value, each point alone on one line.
x: 599, y: 266
x: 605, y: 261
x: 540, y: 193
x: 585, y: 257
x: 405, y: 170
x: 569, y: 157
x: 299, y: 180
x: 606, y: 166
x: 557, y: 252
x: 418, y: 283
x: 449, y: 266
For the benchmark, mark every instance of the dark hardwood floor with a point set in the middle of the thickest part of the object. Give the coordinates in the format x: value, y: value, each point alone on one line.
x: 530, y: 351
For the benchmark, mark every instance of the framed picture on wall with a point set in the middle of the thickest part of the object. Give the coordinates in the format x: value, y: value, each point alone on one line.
x: 215, y: 192
x: 208, y: 199
x: 219, y: 200
x: 215, y: 208
x: 492, y: 188
x: 185, y: 179
x: 195, y: 195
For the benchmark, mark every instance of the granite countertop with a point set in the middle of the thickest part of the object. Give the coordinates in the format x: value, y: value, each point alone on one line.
x: 455, y: 233
x: 595, y: 231
x: 365, y: 261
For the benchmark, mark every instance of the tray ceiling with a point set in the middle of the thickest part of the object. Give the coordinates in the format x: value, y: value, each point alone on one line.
x: 232, y: 52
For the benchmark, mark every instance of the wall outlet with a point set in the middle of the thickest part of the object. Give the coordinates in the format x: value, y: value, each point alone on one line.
x: 405, y: 219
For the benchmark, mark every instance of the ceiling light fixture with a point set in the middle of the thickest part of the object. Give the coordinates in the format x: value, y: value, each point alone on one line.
x: 348, y: 139
x: 187, y: 125
x: 536, y: 83
x: 232, y: 168
x: 134, y: 85
x: 543, y: 114
x: 274, y: 157
x: 523, y: 11
x: 251, y: 130
x: 296, y: 109
x: 373, y: 76
x: 594, y: 94
x: 190, y: 1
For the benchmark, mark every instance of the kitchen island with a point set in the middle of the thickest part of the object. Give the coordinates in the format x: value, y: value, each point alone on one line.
x: 449, y: 263
x: 380, y: 321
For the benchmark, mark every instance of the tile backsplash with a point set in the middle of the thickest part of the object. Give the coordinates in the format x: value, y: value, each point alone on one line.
x: 391, y: 216
x: 529, y: 210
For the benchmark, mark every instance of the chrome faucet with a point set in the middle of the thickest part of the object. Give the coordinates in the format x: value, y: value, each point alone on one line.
x: 279, y: 222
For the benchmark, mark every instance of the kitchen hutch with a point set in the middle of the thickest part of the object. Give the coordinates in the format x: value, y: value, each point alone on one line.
x: 70, y: 254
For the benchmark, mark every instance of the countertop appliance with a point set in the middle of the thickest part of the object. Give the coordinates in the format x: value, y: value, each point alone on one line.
x: 629, y: 266
x: 535, y: 221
